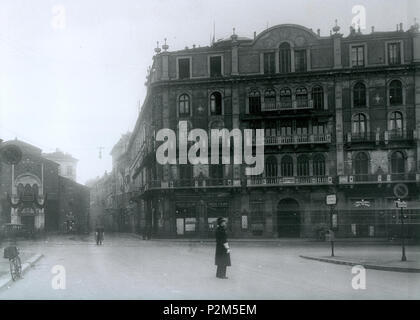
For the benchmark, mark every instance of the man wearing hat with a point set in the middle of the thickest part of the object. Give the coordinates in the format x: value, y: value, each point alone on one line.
x: 222, y: 249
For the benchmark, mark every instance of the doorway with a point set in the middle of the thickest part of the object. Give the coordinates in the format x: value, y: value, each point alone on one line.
x: 288, y: 218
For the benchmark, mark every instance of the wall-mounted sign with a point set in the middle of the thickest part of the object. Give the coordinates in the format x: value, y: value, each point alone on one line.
x: 331, y: 199
x: 362, y: 203
x: 401, y: 204
x: 400, y: 190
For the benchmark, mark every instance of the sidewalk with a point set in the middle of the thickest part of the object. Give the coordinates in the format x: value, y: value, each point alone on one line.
x: 385, y: 260
x: 28, y: 259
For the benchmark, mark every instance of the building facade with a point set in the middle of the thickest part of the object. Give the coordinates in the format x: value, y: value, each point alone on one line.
x: 341, y: 115
x: 34, y: 194
x: 68, y: 164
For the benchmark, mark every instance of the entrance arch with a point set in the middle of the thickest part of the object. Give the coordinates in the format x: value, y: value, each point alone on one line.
x: 288, y: 218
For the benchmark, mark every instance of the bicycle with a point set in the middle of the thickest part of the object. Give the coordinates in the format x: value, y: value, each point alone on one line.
x: 12, y: 253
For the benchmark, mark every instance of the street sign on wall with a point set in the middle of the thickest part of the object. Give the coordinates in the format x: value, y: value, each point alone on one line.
x: 331, y: 199
x: 400, y: 190
x: 401, y: 204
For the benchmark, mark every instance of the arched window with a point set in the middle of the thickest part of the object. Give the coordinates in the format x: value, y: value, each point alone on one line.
x: 397, y: 163
x: 184, y: 105
x: 20, y: 190
x: 287, y: 166
x: 285, y: 98
x: 35, y: 189
x: 361, y: 166
x: 270, y: 99
x: 303, y: 166
x: 28, y: 194
x: 216, y: 103
x: 284, y: 58
x: 318, y: 97
x: 359, y: 126
x: 301, y: 97
x: 271, y: 167
x: 319, y: 165
x: 359, y: 95
x: 395, y: 92
x: 396, y: 123
x: 254, y: 99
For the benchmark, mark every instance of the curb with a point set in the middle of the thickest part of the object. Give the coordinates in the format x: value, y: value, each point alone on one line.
x: 6, y: 280
x: 366, y: 266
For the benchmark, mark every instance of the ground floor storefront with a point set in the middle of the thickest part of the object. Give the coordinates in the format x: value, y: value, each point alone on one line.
x: 360, y: 212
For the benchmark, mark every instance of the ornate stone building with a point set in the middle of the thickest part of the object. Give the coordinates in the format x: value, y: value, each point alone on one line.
x: 341, y: 115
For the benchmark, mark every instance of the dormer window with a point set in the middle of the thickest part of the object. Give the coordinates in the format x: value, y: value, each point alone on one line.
x: 184, y: 68
x: 284, y: 58
x: 215, y: 66
x: 358, y: 56
x: 300, y: 60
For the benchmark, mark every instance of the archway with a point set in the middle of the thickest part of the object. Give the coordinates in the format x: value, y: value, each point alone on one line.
x: 288, y: 218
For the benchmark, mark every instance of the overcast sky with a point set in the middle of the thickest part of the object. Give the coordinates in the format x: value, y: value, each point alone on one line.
x: 72, y: 72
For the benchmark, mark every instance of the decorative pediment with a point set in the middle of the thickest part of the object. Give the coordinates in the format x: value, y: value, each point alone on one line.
x: 295, y: 35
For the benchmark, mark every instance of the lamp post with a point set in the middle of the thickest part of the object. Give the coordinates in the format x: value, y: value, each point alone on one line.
x: 331, y: 201
x: 402, y: 204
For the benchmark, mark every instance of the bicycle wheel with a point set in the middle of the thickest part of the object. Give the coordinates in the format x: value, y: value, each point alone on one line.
x: 13, y: 271
x: 18, y: 267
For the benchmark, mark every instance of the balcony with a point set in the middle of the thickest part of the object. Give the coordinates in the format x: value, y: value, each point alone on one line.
x: 357, y: 137
x: 296, y: 139
x: 288, y: 105
x: 191, y: 183
x: 398, y: 135
x: 379, y: 178
x: 287, y: 181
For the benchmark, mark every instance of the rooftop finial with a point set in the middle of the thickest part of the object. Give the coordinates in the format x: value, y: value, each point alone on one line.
x: 165, y: 46
x: 234, y: 37
x: 336, y: 28
x: 157, y: 49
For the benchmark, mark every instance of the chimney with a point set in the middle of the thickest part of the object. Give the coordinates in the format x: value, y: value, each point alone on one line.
x: 318, y: 32
x: 401, y: 26
x: 255, y: 35
x: 373, y: 29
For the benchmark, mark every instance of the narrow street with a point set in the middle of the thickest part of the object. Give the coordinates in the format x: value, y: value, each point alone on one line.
x: 126, y: 267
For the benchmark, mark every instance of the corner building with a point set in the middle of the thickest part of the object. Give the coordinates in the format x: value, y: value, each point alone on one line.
x: 341, y: 115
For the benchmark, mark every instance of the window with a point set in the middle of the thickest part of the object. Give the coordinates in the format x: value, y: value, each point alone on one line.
x: 396, y: 121
x: 270, y: 128
x: 397, y: 162
x: 318, y: 97
x: 286, y: 128
x: 69, y: 170
x: 257, y: 212
x: 395, y: 92
x: 358, y: 56
x: 394, y: 53
x: 359, y: 95
x: 271, y: 167
x: 185, y: 174
x: 303, y: 166
x: 285, y: 98
x: 319, y: 165
x: 216, y: 103
x: 254, y: 100
x: 318, y: 128
x: 301, y: 98
x: 270, y: 99
x: 300, y: 60
x: 216, y: 173
x: 287, y: 166
x: 216, y: 66
x: 184, y: 68
x: 284, y: 58
x: 302, y: 127
x: 361, y: 164
x: 269, y: 63
x: 359, y: 125
x: 184, y: 105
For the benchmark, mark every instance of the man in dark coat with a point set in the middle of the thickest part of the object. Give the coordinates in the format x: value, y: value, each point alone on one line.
x: 222, y: 259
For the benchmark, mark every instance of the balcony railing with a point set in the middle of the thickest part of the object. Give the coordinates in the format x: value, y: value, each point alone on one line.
x: 362, y: 137
x: 297, y: 139
x: 398, y: 135
x: 379, y: 178
x: 287, y: 105
x: 283, y: 181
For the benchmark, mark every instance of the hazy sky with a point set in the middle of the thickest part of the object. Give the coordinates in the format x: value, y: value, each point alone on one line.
x: 72, y: 72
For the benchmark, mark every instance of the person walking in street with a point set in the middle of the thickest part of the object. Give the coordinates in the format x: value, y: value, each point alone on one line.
x: 222, y: 259
x: 99, y: 235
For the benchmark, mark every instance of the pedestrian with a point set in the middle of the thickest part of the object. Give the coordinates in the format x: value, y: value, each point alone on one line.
x: 99, y: 235
x: 222, y: 259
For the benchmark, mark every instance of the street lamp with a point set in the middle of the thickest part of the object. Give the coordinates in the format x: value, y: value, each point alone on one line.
x: 402, y: 204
